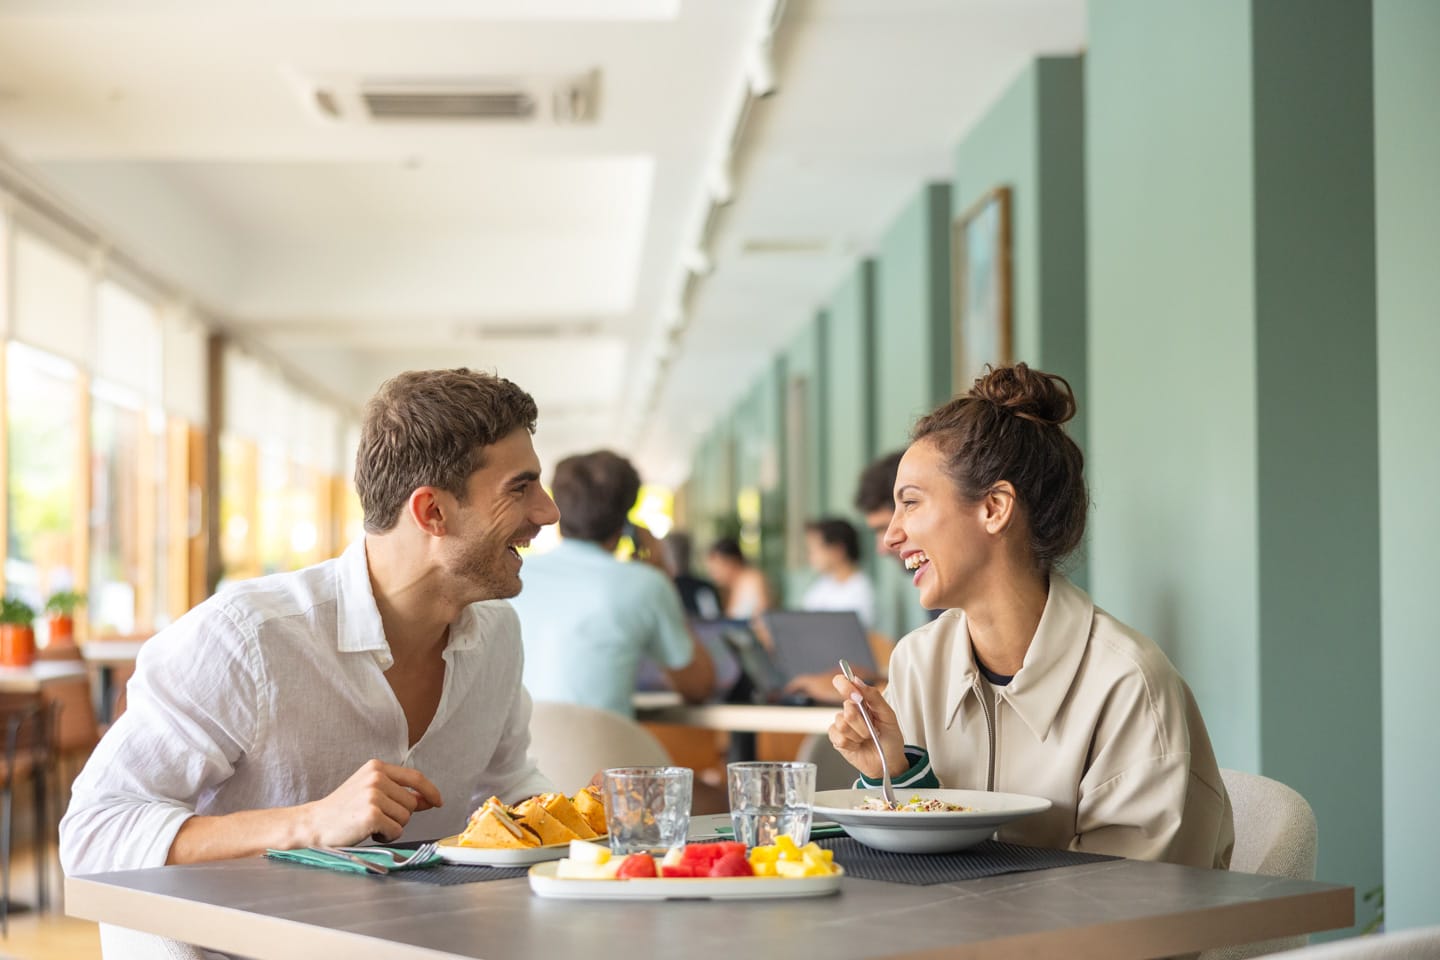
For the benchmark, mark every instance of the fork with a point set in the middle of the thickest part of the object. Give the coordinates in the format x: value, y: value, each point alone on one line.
x: 370, y: 867
x: 886, y: 790
x: 418, y: 855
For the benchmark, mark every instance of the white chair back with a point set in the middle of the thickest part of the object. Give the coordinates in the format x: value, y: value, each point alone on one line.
x: 120, y: 943
x: 1275, y: 836
x: 571, y: 743
x: 832, y: 771
x: 1422, y: 944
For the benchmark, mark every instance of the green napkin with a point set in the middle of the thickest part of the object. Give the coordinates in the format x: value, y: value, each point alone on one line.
x: 314, y: 858
x: 818, y: 830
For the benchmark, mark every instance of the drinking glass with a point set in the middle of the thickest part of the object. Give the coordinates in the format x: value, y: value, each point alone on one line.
x: 647, y: 809
x: 768, y: 799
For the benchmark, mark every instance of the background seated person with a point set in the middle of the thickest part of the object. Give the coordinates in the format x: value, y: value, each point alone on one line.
x: 991, y: 497
x: 588, y: 617
x: 742, y: 586
x: 699, y: 597
x: 301, y: 709
x: 833, y: 551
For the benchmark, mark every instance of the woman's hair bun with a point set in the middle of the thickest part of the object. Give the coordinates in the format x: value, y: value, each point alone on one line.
x: 1045, y: 398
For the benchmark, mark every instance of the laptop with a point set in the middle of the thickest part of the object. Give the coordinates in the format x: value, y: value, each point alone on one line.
x: 815, y: 641
x: 728, y: 669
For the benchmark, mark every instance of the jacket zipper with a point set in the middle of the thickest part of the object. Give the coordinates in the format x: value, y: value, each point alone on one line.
x: 987, y: 708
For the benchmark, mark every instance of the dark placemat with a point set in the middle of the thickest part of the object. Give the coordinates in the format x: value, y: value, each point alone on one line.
x: 987, y: 859
x: 451, y: 874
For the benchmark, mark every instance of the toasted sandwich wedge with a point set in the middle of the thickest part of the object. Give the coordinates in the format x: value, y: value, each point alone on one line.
x: 590, y: 806
x: 561, y: 808
x: 492, y: 827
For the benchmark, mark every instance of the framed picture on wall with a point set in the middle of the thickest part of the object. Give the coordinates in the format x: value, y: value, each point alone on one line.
x: 981, y: 298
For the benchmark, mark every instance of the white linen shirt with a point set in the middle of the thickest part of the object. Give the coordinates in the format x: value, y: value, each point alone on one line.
x: 272, y: 693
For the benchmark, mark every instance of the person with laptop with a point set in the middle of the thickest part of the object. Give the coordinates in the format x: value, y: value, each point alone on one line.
x: 587, y: 617
x: 1023, y: 685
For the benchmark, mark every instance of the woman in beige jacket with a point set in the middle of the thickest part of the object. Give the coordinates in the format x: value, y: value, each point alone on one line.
x: 1023, y: 685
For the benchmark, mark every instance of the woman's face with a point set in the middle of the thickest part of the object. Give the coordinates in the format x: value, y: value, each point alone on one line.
x: 722, y: 569
x: 939, y: 537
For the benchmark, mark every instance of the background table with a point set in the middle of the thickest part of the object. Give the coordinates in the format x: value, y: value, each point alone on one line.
x: 741, y: 720
x: 105, y: 656
x: 1116, y: 910
x: 40, y: 673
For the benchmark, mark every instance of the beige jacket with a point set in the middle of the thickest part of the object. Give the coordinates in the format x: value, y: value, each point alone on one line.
x: 1097, y: 720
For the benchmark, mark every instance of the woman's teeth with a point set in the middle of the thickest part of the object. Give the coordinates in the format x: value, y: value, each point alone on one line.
x: 914, y: 561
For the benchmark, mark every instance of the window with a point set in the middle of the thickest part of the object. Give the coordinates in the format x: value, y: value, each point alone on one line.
x: 43, y: 418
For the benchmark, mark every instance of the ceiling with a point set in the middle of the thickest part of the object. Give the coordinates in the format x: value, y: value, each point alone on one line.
x: 187, y: 131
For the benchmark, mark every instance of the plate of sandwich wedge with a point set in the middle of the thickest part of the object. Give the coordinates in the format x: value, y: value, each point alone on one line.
x: 530, y: 832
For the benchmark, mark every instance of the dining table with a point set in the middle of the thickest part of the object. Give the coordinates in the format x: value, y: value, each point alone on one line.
x: 1116, y: 910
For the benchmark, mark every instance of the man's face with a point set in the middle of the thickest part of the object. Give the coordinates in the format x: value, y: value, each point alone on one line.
x: 877, y: 521
x: 504, y: 508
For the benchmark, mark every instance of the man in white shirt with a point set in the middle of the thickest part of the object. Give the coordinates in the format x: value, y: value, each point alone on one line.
x: 375, y: 694
x: 833, y: 549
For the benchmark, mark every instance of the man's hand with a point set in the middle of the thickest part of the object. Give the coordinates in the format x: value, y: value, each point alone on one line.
x: 649, y: 549
x: 378, y: 800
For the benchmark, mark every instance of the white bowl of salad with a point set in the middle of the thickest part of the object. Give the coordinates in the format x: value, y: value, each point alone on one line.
x: 924, y: 821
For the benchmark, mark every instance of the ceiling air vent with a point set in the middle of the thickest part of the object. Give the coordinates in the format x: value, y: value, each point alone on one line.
x: 452, y: 99
x: 445, y: 105
x: 536, y: 330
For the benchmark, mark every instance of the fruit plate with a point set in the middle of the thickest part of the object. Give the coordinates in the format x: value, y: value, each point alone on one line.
x: 451, y: 852
x: 544, y: 882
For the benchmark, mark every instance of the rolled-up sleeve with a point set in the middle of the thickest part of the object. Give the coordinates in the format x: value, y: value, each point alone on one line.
x: 193, y: 711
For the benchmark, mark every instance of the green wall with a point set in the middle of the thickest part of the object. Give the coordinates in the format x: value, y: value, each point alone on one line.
x: 848, y: 389
x: 911, y: 364
x: 1232, y: 372
x: 1317, y: 419
x: 805, y: 446
x: 1174, y: 545
x: 1407, y: 155
x: 1033, y: 141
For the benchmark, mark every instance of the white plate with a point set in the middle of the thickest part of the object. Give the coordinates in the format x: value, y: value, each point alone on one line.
x: 451, y: 852
x: 544, y: 882
x: 901, y: 832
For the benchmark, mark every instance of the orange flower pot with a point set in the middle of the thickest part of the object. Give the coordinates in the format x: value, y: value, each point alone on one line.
x: 62, y: 629
x: 17, y: 645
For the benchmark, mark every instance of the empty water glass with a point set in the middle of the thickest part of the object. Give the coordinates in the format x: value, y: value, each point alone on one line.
x: 647, y: 809
x: 768, y: 799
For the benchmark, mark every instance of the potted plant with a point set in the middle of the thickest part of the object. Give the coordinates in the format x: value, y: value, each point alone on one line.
x: 60, y: 616
x: 17, y: 632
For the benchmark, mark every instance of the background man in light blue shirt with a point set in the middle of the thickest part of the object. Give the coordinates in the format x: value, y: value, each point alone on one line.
x: 587, y: 618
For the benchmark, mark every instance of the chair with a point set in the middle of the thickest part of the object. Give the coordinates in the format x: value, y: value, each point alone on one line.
x: 832, y: 771
x: 23, y: 721
x: 571, y: 743
x: 1275, y: 836
x: 120, y: 943
x: 1422, y: 944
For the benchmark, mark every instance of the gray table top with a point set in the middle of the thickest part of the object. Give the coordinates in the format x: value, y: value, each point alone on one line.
x: 272, y: 911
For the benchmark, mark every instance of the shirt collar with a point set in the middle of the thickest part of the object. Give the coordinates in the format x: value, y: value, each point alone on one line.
x: 357, y: 618
x: 1051, y: 663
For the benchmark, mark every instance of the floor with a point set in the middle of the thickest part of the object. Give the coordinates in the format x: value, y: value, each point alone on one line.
x: 50, y: 935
